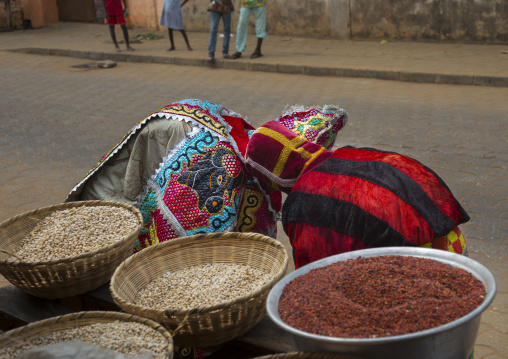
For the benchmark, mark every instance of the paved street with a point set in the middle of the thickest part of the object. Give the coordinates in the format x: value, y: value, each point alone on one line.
x: 56, y: 121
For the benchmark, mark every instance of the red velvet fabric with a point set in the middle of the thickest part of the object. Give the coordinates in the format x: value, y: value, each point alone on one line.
x: 274, y: 145
x: 315, y: 242
x: 386, y: 205
x: 362, y: 198
x: 428, y: 181
x: 238, y: 128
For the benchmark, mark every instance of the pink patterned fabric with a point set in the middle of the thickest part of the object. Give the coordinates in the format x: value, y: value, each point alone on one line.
x: 318, y: 125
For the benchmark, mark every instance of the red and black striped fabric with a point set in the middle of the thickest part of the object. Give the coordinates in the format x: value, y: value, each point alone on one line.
x: 362, y: 198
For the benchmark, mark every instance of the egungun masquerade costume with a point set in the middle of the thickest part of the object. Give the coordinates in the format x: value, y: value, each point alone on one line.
x: 196, y: 167
x: 184, y: 168
x: 353, y: 198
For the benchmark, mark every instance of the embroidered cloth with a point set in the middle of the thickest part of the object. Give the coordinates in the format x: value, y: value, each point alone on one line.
x: 281, y: 150
x: 183, y: 167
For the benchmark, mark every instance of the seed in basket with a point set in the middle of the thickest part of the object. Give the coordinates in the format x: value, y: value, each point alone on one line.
x: 201, y: 285
x: 71, y: 232
x: 127, y: 338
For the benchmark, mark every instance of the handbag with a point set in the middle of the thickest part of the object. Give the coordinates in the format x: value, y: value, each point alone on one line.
x: 219, y: 6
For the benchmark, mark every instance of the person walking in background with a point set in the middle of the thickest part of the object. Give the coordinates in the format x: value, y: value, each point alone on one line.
x: 172, y: 19
x: 219, y: 9
x: 115, y: 15
x: 258, y: 7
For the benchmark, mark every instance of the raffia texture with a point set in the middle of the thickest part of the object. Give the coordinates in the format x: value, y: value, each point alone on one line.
x: 65, y: 277
x: 299, y: 355
x: 45, y: 327
x: 210, y: 325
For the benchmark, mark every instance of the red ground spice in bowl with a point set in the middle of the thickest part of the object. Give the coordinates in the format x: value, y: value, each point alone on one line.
x: 379, y: 296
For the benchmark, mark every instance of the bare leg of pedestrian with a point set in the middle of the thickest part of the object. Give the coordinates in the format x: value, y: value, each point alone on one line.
x: 184, y: 34
x: 113, y: 37
x: 170, y: 32
x: 126, y: 37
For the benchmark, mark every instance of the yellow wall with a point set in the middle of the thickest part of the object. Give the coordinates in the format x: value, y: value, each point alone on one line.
x: 299, y: 18
x: 142, y: 13
x: 457, y: 20
x: 50, y: 11
x: 146, y: 14
x: 39, y: 12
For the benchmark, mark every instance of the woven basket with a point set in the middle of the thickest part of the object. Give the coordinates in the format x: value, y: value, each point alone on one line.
x: 211, y: 325
x: 298, y: 355
x: 75, y: 320
x: 65, y: 277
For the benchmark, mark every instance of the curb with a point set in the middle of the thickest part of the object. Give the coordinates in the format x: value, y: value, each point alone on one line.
x: 404, y: 76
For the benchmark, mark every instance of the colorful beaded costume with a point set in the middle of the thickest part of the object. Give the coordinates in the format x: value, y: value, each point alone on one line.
x: 201, y: 186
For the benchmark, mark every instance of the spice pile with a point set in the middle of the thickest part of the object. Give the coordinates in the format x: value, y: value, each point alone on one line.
x: 127, y: 338
x: 203, y: 285
x: 378, y: 297
x: 78, y: 230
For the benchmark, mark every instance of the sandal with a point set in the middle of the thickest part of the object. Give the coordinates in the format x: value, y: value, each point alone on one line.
x: 236, y: 55
x: 255, y: 55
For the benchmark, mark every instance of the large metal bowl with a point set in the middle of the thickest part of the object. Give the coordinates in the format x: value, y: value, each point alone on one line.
x: 453, y: 340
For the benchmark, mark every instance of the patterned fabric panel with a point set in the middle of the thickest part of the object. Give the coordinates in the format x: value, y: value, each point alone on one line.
x: 198, y: 189
x: 317, y: 125
x: 277, y: 156
x: 254, y: 214
x: 204, y: 113
x: 453, y: 242
x: 198, y: 186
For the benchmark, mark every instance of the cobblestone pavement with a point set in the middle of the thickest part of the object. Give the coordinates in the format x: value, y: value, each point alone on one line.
x: 450, y: 63
x: 56, y: 121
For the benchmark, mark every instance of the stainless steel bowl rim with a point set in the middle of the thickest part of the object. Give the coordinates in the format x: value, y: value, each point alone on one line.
x: 443, y: 256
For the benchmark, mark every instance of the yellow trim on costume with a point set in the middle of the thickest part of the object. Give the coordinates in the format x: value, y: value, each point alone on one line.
x: 313, y: 157
x: 197, y: 114
x: 288, y: 147
x: 461, y: 239
x: 276, y: 186
x: 153, y: 235
x: 451, y: 237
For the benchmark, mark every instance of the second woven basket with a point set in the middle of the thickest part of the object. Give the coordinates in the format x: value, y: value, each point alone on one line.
x: 209, y: 325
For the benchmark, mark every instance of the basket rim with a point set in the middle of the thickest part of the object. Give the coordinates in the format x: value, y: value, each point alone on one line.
x: 171, y: 312
x: 108, y: 316
x: 13, y: 261
x: 309, y: 355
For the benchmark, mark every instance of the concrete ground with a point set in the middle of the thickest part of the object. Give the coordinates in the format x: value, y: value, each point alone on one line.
x: 446, y: 63
x: 57, y: 117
